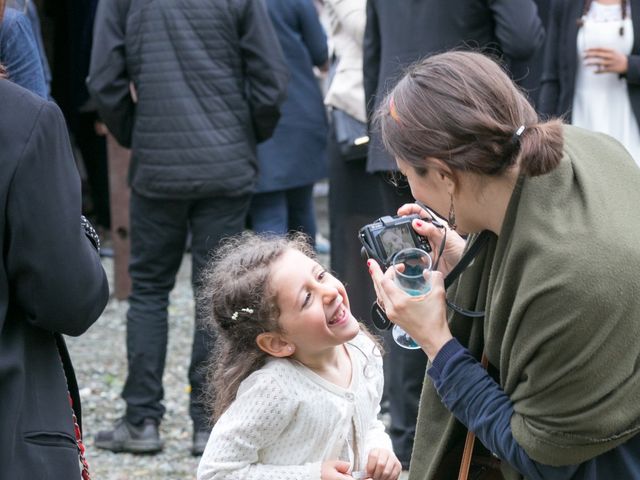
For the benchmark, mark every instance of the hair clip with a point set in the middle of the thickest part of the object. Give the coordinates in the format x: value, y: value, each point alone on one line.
x: 392, y: 110
x: 236, y: 313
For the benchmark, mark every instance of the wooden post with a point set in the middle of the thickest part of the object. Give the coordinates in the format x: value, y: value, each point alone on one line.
x: 119, y: 193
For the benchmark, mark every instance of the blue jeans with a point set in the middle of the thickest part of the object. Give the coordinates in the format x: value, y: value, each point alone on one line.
x: 283, y: 211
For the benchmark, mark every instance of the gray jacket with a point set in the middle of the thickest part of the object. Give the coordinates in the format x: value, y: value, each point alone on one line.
x: 209, y: 77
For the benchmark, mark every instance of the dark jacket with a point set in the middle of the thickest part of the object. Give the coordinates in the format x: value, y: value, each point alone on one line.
x: 209, y: 77
x: 51, y: 283
x: 296, y: 154
x: 561, y: 60
x: 401, y: 32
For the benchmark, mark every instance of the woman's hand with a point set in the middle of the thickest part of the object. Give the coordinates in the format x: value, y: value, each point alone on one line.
x: 454, y: 245
x: 382, y: 464
x: 424, y: 317
x: 335, y: 470
x: 606, y: 60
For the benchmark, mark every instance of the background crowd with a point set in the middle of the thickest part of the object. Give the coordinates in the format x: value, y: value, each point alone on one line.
x: 228, y: 110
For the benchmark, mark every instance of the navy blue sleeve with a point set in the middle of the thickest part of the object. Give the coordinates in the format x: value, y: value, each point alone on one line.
x: 483, y: 407
x: 313, y: 34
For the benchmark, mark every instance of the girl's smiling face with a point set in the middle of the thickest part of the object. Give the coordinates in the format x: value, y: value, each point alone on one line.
x: 313, y: 304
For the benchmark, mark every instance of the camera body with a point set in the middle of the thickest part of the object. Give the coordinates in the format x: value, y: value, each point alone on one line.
x: 385, y: 237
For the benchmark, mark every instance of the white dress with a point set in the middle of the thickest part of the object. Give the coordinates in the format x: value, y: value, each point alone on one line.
x: 601, y: 100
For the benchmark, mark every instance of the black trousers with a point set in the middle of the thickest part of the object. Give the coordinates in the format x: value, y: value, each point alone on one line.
x: 404, y: 369
x: 159, y: 229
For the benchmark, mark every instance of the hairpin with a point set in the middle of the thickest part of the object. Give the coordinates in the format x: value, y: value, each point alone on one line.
x: 392, y: 110
x: 236, y: 313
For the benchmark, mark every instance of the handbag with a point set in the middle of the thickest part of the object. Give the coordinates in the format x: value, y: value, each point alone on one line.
x: 351, y: 135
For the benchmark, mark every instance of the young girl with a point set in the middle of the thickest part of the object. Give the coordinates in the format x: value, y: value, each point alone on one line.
x: 297, y: 382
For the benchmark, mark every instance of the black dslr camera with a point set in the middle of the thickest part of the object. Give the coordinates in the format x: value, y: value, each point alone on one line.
x: 385, y: 237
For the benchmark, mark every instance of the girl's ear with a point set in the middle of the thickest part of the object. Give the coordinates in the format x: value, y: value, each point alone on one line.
x: 274, y: 345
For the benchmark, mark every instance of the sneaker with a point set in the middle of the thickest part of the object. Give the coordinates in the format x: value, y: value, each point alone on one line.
x: 200, y: 439
x: 126, y: 437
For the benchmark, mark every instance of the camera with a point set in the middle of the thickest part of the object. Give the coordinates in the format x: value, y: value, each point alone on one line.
x: 381, y: 240
x: 385, y: 237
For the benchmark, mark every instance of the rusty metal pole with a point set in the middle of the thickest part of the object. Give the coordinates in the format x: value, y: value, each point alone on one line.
x: 119, y: 193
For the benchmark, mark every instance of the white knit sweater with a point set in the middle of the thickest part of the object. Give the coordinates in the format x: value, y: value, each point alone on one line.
x: 286, y: 420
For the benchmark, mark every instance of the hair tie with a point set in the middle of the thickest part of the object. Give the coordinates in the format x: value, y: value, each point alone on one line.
x: 392, y: 110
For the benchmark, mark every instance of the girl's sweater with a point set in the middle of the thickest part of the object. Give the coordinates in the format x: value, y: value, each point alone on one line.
x: 286, y: 420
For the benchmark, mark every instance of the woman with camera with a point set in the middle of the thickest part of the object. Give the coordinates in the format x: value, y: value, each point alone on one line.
x: 550, y: 293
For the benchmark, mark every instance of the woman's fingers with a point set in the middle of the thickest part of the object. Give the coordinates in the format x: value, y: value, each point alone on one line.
x: 378, y: 276
x: 411, y: 208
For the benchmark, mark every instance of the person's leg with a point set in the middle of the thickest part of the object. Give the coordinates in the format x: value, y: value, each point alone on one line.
x: 404, y: 369
x: 268, y: 213
x: 93, y: 149
x: 158, y: 233
x: 210, y: 220
x: 301, y: 211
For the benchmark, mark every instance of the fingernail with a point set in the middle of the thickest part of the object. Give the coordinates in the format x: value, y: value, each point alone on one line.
x: 369, y: 264
x: 418, y: 223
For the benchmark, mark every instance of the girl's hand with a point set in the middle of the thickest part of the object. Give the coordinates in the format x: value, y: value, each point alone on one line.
x: 335, y: 470
x: 454, y: 245
x: 606, y: 60
x: 424, y: 317
x: 383, y: 465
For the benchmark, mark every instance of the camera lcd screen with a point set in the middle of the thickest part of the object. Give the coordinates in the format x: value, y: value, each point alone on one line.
x: 395, y: 239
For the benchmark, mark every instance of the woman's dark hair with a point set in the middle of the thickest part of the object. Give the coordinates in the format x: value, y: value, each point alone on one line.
x: 587, y: 7
x: 463, y: 109
x: 236, y: 289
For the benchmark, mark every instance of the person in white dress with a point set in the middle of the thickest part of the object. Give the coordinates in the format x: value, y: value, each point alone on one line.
x: 597, y: 85
x: 296, y: 389
x: 601, y: 101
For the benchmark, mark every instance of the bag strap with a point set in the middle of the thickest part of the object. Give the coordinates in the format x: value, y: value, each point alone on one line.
x: 469, y: 442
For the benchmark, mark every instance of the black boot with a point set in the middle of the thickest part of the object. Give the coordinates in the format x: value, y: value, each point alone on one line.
x: 126, y: 437
x: 200, y: 439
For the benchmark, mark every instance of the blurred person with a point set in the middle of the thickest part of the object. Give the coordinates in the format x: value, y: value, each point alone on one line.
x: 350, y: 186
x: 295, y: 157
x: 396, y: 35
x: 52, y: 285
x: 30, y: 9
x: 298, y: 381
x: 592, y: 68
x: 19, y: 51
x: 208, y: 77
x: 544, y: 289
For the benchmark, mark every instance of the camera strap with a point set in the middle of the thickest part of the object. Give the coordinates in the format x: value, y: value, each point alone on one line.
x: 461, y: 266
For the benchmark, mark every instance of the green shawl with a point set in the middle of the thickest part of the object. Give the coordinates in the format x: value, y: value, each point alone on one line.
x: 561, y: 289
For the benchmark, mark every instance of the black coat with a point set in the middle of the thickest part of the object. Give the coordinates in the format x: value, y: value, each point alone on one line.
x: 400, y: 32
x: 51, y: 283
x: 561, y: 60
x: 210, y: 77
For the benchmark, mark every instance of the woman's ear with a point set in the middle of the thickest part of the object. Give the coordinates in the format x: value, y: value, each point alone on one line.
x: 444, y: 174
x: 274, y: 345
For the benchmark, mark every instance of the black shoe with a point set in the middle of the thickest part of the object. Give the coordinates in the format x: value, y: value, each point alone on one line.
x: 126, y: 437
x: 200, y: 439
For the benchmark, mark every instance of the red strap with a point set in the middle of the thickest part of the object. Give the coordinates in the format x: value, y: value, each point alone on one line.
x: 81, y: 448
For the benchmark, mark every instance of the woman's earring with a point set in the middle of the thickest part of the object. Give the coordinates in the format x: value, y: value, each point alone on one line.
x: 452, y: 216
x: 289, y: 348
